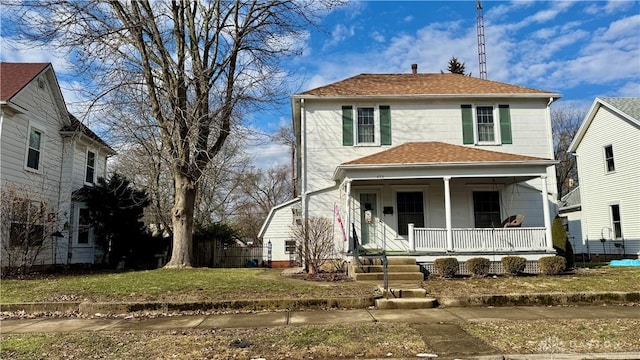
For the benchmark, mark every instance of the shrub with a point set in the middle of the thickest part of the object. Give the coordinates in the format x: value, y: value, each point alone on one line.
x: 446, y: 267
x: 561, y: 241
x: 513, y: 265
x: 552, y: 265
x: 479, y: 267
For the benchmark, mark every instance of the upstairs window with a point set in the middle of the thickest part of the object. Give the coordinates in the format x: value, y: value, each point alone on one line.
x: 370, y: 125
x: 91, y: 168
x: 366, y: 126
x: 616, y: 222
x: 484, y: 119
x: 483, y: 124
x: 33, y: 149
x: 608, y: 158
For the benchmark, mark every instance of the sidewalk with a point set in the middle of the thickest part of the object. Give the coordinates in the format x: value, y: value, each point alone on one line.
x: 293, y: 318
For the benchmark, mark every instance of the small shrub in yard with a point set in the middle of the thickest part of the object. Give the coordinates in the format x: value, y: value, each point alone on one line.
x: 552, y: 265
x: 446, y: 267
x: 513, y: 265
x: 479, y: 267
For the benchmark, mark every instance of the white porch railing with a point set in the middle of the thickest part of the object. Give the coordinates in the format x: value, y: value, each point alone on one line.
x: 466, y: 240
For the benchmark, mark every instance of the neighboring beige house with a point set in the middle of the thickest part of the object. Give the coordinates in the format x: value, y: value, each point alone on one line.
x: 607, y: 146
x: 423, y: 165
x: 46, y: 157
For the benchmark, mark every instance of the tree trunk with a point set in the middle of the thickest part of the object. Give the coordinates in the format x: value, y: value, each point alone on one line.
x: 182, y: 219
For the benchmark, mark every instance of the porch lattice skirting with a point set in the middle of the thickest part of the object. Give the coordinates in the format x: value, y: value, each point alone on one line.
x: 496, y: 268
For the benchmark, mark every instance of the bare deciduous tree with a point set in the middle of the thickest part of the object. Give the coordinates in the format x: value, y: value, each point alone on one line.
x: 321, y: 246
x: 285, y: 136
x: 195, y: 67
x: 565, y: 122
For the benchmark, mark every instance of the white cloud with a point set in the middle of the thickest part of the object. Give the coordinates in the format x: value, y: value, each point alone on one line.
x: 408, y: 18
x: 629, y: 89
x: 339, y: 34
x: 269, y: 155
x: 377, y: 36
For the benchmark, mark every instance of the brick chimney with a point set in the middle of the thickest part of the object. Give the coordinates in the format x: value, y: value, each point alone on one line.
x: 414, y: 68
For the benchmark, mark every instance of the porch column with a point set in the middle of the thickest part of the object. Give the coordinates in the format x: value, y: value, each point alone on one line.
x: 447, y: 212
x: 546, y: 214
x: 347, y: 215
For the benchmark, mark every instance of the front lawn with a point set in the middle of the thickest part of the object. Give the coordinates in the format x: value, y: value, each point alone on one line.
x: 201, y: 284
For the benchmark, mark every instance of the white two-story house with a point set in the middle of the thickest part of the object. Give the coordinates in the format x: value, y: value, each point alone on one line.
x: 607, y: 149
x: 46, y: 157
x: 425, y: 165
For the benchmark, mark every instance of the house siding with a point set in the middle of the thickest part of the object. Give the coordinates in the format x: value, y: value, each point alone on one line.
x: 279, y: 231
x: 600, y: 189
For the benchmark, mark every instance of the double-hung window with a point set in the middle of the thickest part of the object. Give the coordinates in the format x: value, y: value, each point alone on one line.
x: 90, y: 168
x: 610, y: 166
x: 366, y: 125
x: 34, y: 149
x: 410, y: 206
x: 486, y: 209
x: 616, y: 221
x: 486, y: 124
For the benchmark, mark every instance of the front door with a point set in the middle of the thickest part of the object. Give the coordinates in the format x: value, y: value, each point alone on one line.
x: 368, y: 217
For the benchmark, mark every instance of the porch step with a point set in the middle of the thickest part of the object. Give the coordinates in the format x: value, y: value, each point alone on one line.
x: 391, y: 276
x: 394, y: 268
x: 406, y: 303
x: 404, y: 293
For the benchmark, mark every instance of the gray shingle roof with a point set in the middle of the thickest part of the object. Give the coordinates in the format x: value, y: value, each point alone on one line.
x: 629, y: 106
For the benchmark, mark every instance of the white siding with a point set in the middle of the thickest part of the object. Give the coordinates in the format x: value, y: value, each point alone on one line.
x: 600, y: 189
x: 278, y: 231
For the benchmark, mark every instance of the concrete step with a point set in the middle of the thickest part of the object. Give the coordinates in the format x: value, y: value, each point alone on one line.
x: 391, y: 260
x: 391, y: 276
x: 404, y: 293
x: 390, y: 268
x: 406, y: 303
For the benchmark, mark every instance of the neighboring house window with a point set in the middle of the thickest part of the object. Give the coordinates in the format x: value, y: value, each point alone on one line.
x: 486, y: 209
x: 27, y: 223
x: 91, y: 167
x: 615, y: 219
x: 34, y: 147
x: 366, y: 125
x: 608, y: 158
x: 84, y: 227
x: 410, y: 206
x: 370, y: 126
x: 479, y: 124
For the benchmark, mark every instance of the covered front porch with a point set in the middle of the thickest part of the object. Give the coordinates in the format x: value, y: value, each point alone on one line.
x: 455, y: 208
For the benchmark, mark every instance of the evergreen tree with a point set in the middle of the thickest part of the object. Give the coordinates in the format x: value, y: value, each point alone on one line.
x: 455, y: 67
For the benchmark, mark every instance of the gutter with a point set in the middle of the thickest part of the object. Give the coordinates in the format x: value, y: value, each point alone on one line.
x: 552, y: 96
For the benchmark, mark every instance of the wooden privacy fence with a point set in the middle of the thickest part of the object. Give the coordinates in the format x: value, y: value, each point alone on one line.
x: 216, y: 254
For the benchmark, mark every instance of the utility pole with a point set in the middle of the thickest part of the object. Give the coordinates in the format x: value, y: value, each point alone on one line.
x: 482, y: 55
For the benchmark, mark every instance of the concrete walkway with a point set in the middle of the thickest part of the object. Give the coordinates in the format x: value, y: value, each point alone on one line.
x: 443, y: 321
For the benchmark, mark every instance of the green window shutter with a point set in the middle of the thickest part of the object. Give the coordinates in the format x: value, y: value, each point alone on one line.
x: 385, y: 125
x: 467, y: 124
x: 505, y: 124
x: 347, y: 125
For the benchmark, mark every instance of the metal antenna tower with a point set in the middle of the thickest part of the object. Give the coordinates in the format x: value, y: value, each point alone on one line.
x: 482, y: 55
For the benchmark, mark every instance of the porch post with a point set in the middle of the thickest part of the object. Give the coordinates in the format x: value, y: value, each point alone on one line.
x: 447, y: 211
x: 412, y: 238
x: 546, y: 214
x: 347, y: 208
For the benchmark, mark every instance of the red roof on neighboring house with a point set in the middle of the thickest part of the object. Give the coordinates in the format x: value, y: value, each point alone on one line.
x: 14, y: 76
x: 437, y: 152
x: 421, y: 84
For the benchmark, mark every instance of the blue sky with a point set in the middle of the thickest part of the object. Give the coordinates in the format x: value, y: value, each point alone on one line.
x: 581, y: 49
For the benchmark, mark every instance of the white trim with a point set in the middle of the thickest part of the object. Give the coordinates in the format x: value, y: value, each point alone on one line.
x: 76, y: 227
x: 376, y: 125
x: 484, y: 188
x: 272, y: 212
x: 86, y: 166
x: 613, y: 158
x: 497, y: 140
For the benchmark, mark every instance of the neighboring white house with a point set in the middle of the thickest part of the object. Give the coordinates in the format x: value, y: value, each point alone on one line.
x: 426, y: 165
x: 46, y: 157
x: 607, y: 146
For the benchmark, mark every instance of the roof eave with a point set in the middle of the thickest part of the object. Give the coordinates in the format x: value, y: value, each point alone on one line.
x: 555, y: 96
x: 108, y: 149
x: 12, y: 106
x: 340, y: 169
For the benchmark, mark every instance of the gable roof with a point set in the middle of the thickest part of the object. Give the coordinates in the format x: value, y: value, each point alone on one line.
x: 421, y: 84
x: 15, y: 76
x: 77, y: 126
x: 627, y: 108
x: 435, y: 152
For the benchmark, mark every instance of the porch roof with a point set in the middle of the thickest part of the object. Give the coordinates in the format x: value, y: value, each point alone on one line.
x: 438, y: 159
